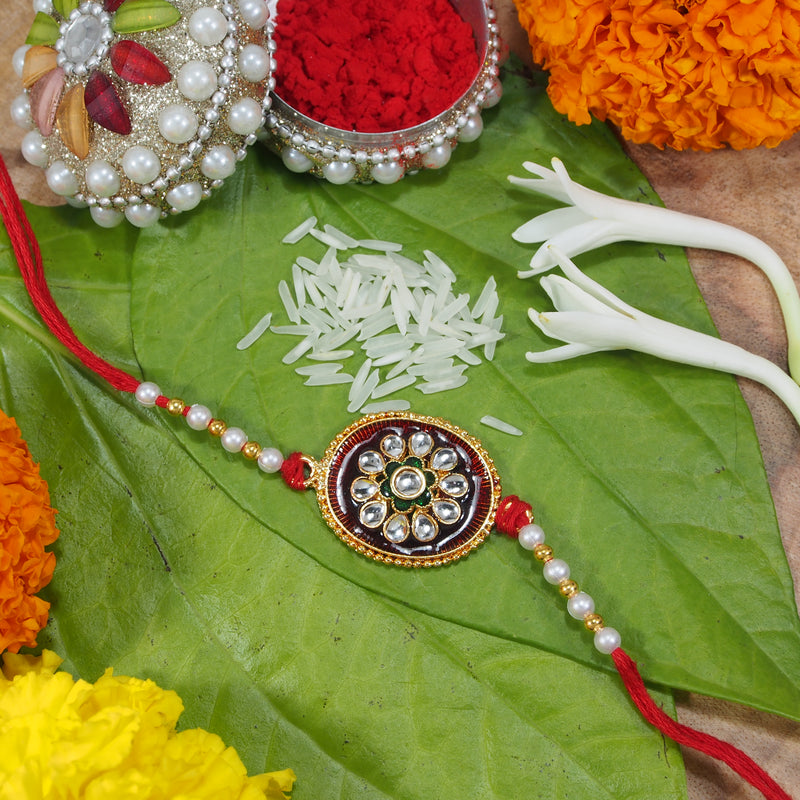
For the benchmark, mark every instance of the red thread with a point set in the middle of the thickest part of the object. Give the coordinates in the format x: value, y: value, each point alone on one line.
x: 512, y: 514
x: 373, y: 65
x: 738, y: 761
x: 293, y: 470
x: 29, y: 259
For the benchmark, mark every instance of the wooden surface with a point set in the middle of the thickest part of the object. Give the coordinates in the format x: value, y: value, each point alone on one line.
x: 755, y: 190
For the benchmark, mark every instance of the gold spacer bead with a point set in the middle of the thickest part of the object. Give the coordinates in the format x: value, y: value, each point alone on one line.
x: 251, y: 451
x: 593, y: 622
x: 568, y: 588
x: 175, y: 406
x: 217, y: 427
x: 543, y: 552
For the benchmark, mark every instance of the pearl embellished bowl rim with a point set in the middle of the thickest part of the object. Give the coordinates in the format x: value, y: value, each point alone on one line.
x: 474, y: 12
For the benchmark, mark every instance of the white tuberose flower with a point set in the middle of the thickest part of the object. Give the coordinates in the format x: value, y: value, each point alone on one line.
x: 593, y: 219
x: 591, y: 319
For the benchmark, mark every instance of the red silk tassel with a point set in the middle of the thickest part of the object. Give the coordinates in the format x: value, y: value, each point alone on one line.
x: 738, y: 761
x: 29, y: 258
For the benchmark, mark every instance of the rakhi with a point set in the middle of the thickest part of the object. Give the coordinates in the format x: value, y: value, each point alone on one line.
x: 400, y: 488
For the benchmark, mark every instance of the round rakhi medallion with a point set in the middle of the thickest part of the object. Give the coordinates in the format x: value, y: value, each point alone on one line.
x: 407, y: 489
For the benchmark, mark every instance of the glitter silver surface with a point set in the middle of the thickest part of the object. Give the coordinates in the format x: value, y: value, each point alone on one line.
x: 180, y: 163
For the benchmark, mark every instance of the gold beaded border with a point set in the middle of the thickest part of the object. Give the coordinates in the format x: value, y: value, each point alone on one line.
x: 321, y: 471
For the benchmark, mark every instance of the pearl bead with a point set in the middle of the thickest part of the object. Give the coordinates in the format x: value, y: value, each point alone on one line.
x: 493, y: 94
x: 338, y: 172
x: 18, y: 59
x: 185, y: 196
x: 607, y: 640
x: 76, y: 202
x: 141, y: 164
x: 61, y: 179
x: 198, y: 417
x: 233, y: 440
x: 208, y: 26
x: 218, y: 163
x: 177, y: 123
x: 45, y: 6
x: 556, y: 570
x: 437, y: 156
x: 197, y: 80
x: 254, y: 63
x: 106, y: 217
x: 389, y: 172
x: 33, y: 149
x: 147, y: 393
x: 142, y: 215
x: 254, y: 12
x: 530, y: 535
x: 579, y: 605
x: 270, y: 460
x: 295, y: 161
x: 102, y: 178
x: 21, y: 112
x: 471, y: 130
x: 245, y: 116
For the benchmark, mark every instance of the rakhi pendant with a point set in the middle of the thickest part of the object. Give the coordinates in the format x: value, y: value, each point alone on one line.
x: 406, y: 489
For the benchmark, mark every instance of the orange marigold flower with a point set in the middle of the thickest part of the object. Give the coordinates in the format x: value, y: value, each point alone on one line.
x: 697, y: 74
x: 27, y: 526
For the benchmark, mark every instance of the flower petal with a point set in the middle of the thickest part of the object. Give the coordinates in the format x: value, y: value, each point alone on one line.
x: 44, y: 30
x: 593, y: 289
x: 136, y: 64
x: 110, y: 6
x: 134, y: 16
x: 563, y: 353
x: 73, y: 122
x: 598, y: 331
x: 548, y: 185
x: 65, y: 7
x: 104, y: 105
x: 39, y: 60
x: 572, y: 242
x: 548, y: 224
x: 44, y: 98
x: 567, y: 296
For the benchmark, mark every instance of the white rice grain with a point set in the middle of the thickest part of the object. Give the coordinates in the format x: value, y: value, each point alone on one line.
x: 255, y: 333
x: 329, y: 355
x: 296, y: 234
x: 357, y: 399
x: 348, y: 241
x: 500, y: 425
x: 381, y: 390
x: 328, y: 239
x: 327, y: 368
x: 292, y: 330
x: 331, y: 379
x: 377, y: 244
x: 299, y: 350
x: 442, y: 386
x: 288, y: 302
x: 483, y: 300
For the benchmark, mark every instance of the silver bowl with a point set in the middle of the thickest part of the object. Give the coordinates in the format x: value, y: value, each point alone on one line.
x: 341, y: 156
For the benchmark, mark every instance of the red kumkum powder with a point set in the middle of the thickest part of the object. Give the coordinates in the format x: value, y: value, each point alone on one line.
x: 372, y: 66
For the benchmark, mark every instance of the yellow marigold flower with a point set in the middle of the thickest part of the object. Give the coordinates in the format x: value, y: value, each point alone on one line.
x: 27, y: 526
x: 65, y: 739
x: 696, y: 74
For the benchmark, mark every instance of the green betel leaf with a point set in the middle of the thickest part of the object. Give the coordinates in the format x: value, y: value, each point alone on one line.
x: 180, y: 562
